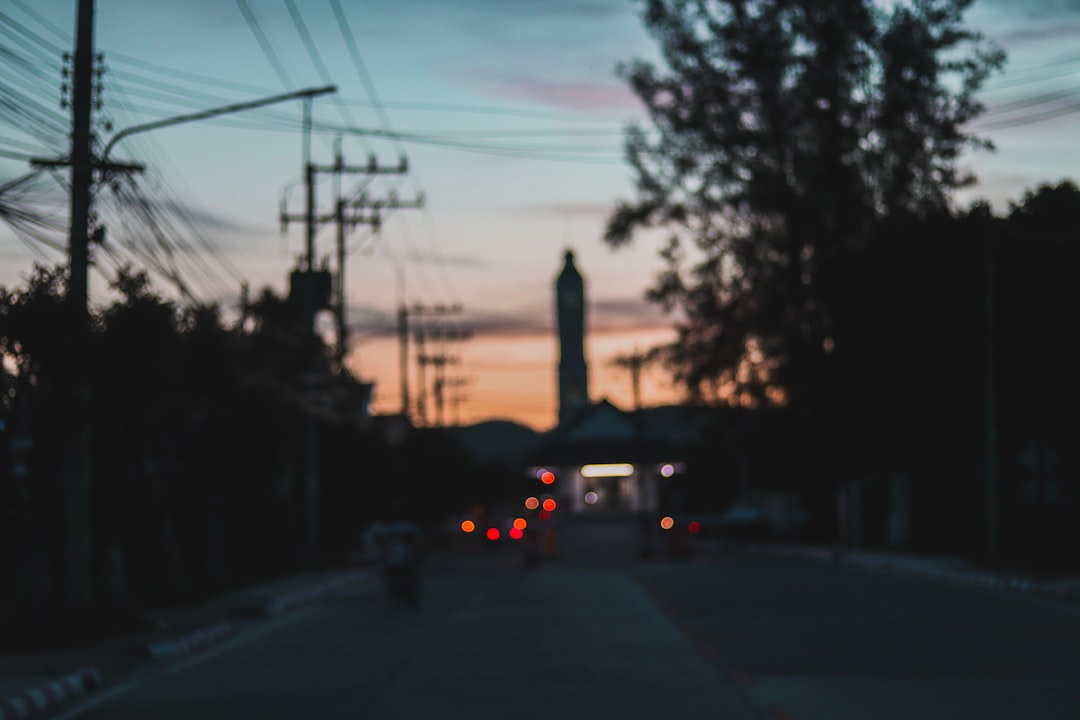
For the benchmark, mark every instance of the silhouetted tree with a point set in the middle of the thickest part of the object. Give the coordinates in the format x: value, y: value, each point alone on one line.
x: 36, y: 332
x: 782, y: 136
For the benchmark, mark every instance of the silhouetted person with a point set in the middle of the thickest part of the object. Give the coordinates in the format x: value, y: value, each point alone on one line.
x: 400, y: 552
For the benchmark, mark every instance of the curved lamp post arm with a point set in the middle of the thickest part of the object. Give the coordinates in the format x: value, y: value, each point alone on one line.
x: 213, y: 112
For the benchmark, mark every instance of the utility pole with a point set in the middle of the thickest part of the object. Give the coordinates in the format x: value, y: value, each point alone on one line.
x: 440, y: 360
x: 364, y: 212
x: 314, y: 290
x: 634, y: 363
x: 456, y: 384
x: 309, y: 290
x: 347, y: 214
x: 421, y: 312
x: 77, y: 473
x: 78, y: 478
x: 403, y: 340
x: 991, y: 490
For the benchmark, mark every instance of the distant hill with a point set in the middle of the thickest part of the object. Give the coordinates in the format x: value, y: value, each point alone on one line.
x: 498, y: 440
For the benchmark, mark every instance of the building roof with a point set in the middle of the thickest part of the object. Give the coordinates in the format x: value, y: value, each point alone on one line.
x: 603, y: 432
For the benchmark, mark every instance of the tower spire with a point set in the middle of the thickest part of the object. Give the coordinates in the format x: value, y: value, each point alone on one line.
x: 570, y: 314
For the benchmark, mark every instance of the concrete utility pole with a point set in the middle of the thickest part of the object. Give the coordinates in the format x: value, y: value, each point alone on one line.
x: 78, y: 588
x: 634, y: 363
x: 457, y: 397
x: 77, y: 474
x: 440, y: 361
x: 991, y: 489
x: 347, y: 214
x: 309, y: 281
x: 422, y: 358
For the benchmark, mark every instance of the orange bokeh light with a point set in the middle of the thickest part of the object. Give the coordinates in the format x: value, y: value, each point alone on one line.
x: 532, y: 503
x: 667, y: 523
x: 549, y: 504
x: 468, y: 526
x: 521, y: 523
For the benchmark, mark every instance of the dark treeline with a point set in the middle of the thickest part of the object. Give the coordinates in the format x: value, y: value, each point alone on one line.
x: 802, y: 160
x: 198, y: 450
x: 908, y: 396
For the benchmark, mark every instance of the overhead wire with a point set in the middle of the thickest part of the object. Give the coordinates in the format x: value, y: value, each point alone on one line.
x: 172, y: 204
x: 28, y: 38
x: 264, y: 43
x: 384, y: 119
x: 43, y: 21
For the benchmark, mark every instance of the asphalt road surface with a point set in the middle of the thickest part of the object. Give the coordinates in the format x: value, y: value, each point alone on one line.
x: 790, y: 638
x: 819, y: 641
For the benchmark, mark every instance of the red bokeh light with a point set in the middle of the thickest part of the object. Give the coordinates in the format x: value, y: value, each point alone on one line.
x: 544, y: 514
x: 548, y: 477
x: 695, y: 527
x: 493, y: 534
x: 516, y: 533
x: 549, y: 504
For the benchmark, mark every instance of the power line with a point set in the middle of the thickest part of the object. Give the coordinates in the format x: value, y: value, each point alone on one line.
x: 320, y: 66
x: 264, y: 43
x: 60, y: 34
x: 24, y: 34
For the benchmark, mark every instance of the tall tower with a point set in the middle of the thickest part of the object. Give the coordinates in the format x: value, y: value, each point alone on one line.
x: 570, y: 311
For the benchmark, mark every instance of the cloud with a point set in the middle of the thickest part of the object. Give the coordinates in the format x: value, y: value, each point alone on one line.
x: 567, y: 95
x: 465, y: 261
x: 566, y: 209
x: 625, y: 314
x: 603, y: 316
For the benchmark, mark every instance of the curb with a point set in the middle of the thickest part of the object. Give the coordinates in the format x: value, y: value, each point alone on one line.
x: 291, y: 601
x: 189, y: 643
x: 48, y: 697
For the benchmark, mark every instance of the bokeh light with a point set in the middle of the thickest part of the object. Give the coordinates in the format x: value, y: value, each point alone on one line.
x: 544, y: 515
x: 591, y: 498
x: 516, y: 533
x: 520, y: 523
x: 493, y: 534
x: 694, y: 528
x: 549, y: 504
x: 667, y: 470
x: 667, y: 522
x: 532, y: 503
x: 547, y: 477
x: 468, y: 526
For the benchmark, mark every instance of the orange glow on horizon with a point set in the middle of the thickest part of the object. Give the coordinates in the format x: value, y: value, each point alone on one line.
x: 513, y: 377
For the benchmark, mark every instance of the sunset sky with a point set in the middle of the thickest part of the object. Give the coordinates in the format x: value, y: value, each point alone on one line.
x: 515, y: 116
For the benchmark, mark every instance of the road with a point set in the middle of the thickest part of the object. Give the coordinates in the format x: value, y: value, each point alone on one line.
x: 783, y: 638
x: 833, y: 641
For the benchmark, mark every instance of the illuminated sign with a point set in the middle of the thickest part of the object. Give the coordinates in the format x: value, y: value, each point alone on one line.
x: 607, y: 470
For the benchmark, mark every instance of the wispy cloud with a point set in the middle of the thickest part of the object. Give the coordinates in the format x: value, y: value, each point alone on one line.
x: 587, y: 96
x: 603, y: 316
x: 566, y: 209
x: 464, y: 261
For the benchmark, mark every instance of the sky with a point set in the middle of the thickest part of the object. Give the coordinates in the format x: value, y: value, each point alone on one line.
x: 511, y: 116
